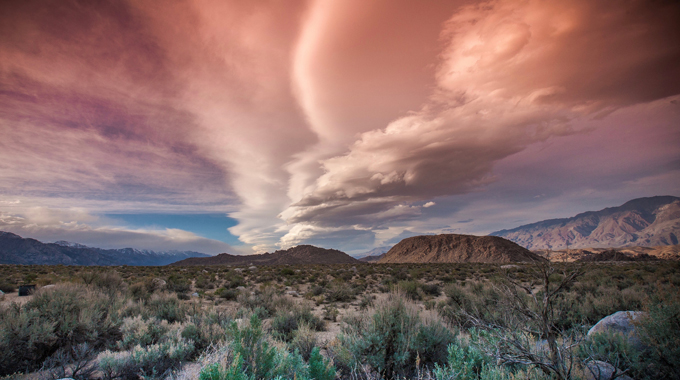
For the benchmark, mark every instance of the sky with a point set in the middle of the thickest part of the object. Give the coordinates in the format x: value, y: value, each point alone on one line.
x: 248, y: 126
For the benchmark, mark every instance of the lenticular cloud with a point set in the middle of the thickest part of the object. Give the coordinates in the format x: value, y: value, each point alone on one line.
x: 511, y: 74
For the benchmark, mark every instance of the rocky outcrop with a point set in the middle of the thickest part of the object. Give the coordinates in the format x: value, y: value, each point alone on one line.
x: 643, y: 222
x: 454, y: 248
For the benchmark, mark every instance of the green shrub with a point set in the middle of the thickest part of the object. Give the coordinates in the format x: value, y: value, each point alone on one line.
x: 150, y: 362
x: 611, y: 348
x: 410, y: 289
x: 109, y: 282
x: 234, y: 372
x: 167, y: 307
x: 65, y: 316
x: 466, y: 360
x: 316, y: 290
x: 268, y: 300
x: 320, y: 368
x: 227, y: 294
x: 178, y: 284
x: 250, y: 344
x: 26, y: 339
x: 204, y: 283
x: 431, y: 342
x: 392, y: 340
x: 139, y: 291
x: 304, y: 340
x: 285, y: 323
x: 139, y: 332
x: 431, y: 289
x: 660, y: 332
x: 340, y: 293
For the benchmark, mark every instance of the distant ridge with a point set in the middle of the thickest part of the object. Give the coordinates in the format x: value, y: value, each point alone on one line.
x: 375, y: 254
x: 17, y: 250
x: 301, y: 254
x: 454, y: 248
x: 642, y: 222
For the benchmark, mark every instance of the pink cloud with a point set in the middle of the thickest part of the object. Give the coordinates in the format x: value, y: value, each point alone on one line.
x: 512, y: 74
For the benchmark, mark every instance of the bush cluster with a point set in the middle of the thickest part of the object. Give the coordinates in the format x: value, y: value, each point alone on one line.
x: 393, y: 340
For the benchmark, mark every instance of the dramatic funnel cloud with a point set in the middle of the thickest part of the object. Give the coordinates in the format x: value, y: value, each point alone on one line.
x: 342, y: 123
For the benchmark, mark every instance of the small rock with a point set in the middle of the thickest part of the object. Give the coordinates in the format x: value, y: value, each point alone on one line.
x: 510, y: 266
x: 293, y: 293
x: 353, y: 268
x: 240, y: 288
x: 599, y: 370
x: 238, y: 270
x: 252, y: 268
x: 50, y: 286
x: 297, y: 271
x: 194, y: 294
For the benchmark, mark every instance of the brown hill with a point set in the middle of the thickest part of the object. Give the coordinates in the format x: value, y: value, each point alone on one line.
x: 452, y: 248
x: 301, y: 254
x: 642, y: 222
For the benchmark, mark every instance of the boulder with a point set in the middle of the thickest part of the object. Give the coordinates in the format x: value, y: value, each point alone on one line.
x: 621, y: 322
x: 252, y: 267
x: 50, y: 286
x: 158, y: 283
x: 599, y: 370
x: 194, y: 294
x: 293, y: 293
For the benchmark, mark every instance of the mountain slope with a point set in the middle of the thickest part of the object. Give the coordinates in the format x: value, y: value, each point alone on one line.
x: 643, y: 222
x: 16, y: 250
x: 301, y: 254
x: 453, y: 248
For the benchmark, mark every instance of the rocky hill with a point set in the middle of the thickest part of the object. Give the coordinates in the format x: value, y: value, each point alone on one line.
x: 453, y: 248
x: 643, y: 222
x: 17, y: 250
x: 301, y: 254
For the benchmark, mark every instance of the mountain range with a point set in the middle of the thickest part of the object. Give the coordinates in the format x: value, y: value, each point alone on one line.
x: 642, y: 222
x: 301, y: 254
x: 17, y: 250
